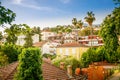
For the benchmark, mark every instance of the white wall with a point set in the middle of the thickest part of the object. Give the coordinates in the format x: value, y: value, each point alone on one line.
x: 21, y: 40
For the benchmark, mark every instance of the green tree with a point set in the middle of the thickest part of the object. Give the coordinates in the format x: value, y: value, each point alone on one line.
x: 6, y: 15
x: 37, y: 30
x: 3, y: 59
x: 118, y: 54
x: 12, y: 33
x: 68, y: 30
x: 28, y: 33
x: 11, y: 51
x: 85, y: 31
x: 1, y: 36
x: 30, y: 63
x: 100, y: 51
x: 79, y: 24
x: 88, y: 57
x: 110, y: 29
x: 90, y: 19
x: 74, y: 22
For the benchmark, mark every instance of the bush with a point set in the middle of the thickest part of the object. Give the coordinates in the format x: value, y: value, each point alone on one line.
x: 68, y: 61
x: 12, y: 51
x: 88, y: 57
x: 3, y: 59
x: 30, y: 62
x: 49, y: 56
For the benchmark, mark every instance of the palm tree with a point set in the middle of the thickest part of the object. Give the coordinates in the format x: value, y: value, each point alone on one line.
x: 74, y: 22
x: 80, y: 24
x: 89, y: 19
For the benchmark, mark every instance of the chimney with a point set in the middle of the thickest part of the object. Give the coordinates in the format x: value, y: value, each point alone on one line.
x: 62, y: 65
x: 69, y: 71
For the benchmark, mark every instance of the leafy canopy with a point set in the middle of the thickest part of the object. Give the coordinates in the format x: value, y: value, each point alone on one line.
x: 30, y: 62
x: 6, y: 15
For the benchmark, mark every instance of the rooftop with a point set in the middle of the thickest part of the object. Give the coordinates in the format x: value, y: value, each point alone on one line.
x: 50, y: 72
x: 39, y: 44
x: 73, y: 44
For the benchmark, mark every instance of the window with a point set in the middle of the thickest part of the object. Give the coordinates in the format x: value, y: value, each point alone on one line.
x: 67, y: 52
x: 60, y: 51
x: 73, y: 51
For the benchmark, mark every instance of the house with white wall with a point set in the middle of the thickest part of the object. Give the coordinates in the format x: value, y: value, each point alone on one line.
x: 46, y: 34
x: 69, y: 38
x: 21, y: 40
x: 49, y: 48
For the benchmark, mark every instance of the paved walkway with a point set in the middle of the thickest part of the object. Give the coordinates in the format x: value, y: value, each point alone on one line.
x: 115, y: 77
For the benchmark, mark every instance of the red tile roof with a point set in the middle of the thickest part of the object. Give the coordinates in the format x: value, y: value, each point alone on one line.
x: 50, y: 72
x: 73, y: 44
x: 39, y: 44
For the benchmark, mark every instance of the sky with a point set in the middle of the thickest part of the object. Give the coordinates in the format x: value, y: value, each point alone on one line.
x: 50, y: 13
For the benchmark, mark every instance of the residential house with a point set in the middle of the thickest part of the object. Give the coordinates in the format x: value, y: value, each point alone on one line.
x: 47, y: 47
x: 88, y: 40
x: 71, y: 49
x: 69, y: 38
x: 47, y: 33
x: 21, y: 40
x: 57, y: 38
x: 39, y: 44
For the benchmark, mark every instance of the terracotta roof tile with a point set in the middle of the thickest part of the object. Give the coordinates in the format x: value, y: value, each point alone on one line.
x: 39, y: 44
x: 74, y: 44
x: 50, y: 72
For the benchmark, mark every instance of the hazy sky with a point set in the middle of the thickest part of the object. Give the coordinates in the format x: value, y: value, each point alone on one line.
x: 50, y: 13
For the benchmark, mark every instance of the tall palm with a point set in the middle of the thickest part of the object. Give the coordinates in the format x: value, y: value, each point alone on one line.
x: 89, y: 19
x: 74, y: 22
x: 79, y: 25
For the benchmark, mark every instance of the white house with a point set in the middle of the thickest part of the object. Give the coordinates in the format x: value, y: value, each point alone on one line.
x: 46, y: 34
x: 49, y: 48
x: 21, y: 40
x: 69, y: 38
x: 88, y: 40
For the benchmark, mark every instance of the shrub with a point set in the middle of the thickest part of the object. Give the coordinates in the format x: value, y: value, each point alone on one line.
x: 12, y: 51
x: 88, y: 57
x: 30, y: 62
x: 68, y: 61
x: 49, y: 56
x: 3, y: 59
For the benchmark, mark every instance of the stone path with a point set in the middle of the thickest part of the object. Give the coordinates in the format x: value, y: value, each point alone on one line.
x: 115, y: 77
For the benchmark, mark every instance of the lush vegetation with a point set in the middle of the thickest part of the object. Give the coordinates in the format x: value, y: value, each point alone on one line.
x: 93, y: 55
x: 12, y: 33
x: 37, y: 30
x: 110, y: 29
x: 49, y: 56
x: 6, y: 15
x: 3, y: 59
x: 11, y: 51
x: 1, y: 36
x: 68, y: 61
x: 30, y: 61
